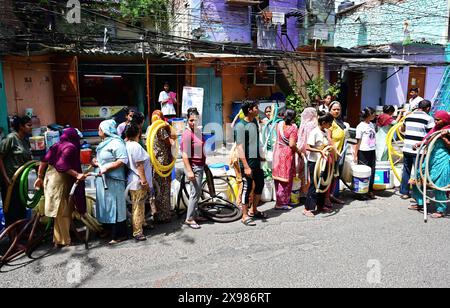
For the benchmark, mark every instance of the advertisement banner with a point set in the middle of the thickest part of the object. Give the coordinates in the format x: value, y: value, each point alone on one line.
x: 102, y: 112
x: 192, y: 97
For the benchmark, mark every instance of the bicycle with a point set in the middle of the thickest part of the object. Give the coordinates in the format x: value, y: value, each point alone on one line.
x: 213, y: 205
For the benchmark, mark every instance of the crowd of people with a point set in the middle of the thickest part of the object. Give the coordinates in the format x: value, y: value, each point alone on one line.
x: 123, y: 166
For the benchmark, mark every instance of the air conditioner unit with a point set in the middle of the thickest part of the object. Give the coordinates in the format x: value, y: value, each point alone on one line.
x: 265, y: 77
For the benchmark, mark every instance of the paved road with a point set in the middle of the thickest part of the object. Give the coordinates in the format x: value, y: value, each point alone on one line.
x: 365, y: 244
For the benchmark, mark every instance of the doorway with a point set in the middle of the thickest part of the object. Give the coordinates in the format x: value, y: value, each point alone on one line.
x: 417, y: 79
x: 354, y: 83
x: 212, y: 99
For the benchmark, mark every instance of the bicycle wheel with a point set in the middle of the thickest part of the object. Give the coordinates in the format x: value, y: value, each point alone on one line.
x: 220, y: 212
x: 229, y: 194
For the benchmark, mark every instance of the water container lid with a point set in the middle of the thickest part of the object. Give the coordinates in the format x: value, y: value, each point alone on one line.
x: 219, y: 166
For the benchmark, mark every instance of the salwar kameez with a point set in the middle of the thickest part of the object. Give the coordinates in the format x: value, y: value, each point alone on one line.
x: 162, y: 210
x: 57, y: 204
x: 284, y: 163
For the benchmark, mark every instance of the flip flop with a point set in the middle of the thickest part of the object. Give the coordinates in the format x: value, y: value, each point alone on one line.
x: 283, y: 208
x: 194, y: 225
x: 249, y: 222
x: 260, y: 215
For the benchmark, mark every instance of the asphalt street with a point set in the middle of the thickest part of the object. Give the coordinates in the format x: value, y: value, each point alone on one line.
x: 364, y: 244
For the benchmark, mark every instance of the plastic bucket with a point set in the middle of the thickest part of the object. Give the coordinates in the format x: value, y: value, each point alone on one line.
x: 179, y: 124
x: 219, y: 169
x: 296, y: 191
x: 2, y: 219
x: 399, y: 169
x: 86, y: 156
x: 383, y: 176
x: 210, y: 143
x: 361, y: 178
x: 267, y: 194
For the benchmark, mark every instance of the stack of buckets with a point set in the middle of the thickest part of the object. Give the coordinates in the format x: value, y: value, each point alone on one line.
x: 221, y: 186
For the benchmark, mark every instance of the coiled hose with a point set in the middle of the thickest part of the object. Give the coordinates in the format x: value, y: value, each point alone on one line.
x: 423, y: 164
x: 162, y: 170
x: 321, y: 165
x: 396, y: 129
x: 23, y: 188
x: 22, y: 175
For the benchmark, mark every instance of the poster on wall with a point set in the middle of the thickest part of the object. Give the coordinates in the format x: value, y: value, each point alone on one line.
x: 103, y: 112
x: 192, y: 97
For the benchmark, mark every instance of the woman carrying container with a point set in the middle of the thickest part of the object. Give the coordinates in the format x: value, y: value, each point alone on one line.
x: 162, y: 148
x: 15, y: 151
x: 337, y: 136
x: 140, y: 179
x: 62, y: 167
x: 284, y: 160
x: 316, y: 145
x: 308, y: 123
x: 439, y: 166
x: 194, y: 160
x: 111, y: 160
x: 365, y: 149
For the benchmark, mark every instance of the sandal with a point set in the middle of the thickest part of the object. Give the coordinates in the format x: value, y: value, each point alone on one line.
x: 283, y: 208
x: 260, y: 215
x: 249, y: 222
x: 405, y: 197
x: 192, y: 225
x: 438, y: 215
x: 140, y: 238
x: 309, y: 214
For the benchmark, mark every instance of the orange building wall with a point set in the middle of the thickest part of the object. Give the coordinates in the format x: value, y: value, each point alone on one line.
x: 37, y: 93
x: 233, y: 89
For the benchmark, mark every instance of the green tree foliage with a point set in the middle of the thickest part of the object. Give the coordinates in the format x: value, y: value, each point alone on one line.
x: 294, y: 101
x: 154, y: 12
x: 320, y: 87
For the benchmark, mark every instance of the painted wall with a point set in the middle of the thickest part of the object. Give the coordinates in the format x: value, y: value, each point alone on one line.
x: 3, y: 104
x: 225, y: 23
x: 29, y: 85
x: 397, y: 86
x: 222, y: 22
x: 233, y: 89
x: 372, y: 89
x: 375, y: 24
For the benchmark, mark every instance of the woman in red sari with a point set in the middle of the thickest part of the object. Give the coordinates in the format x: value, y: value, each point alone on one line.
x: 284, y: 160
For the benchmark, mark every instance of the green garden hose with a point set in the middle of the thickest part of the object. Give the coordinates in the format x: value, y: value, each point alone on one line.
x: 23, y: 188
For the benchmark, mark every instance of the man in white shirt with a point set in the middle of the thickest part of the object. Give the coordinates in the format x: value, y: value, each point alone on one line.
x: 415, y: 99
x: 167, y: 100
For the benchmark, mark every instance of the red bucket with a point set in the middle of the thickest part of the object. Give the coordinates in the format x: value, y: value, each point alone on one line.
x: 86, y: 156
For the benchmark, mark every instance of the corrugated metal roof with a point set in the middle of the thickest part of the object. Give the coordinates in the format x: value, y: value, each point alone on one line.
x: 222, y: 55
x: 370, y: 62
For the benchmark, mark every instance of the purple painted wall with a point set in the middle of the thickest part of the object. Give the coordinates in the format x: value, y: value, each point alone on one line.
x: 397, y: 86
x: 227, y: 23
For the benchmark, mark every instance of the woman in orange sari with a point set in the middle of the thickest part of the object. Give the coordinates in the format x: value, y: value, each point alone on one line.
x: 284, y: 160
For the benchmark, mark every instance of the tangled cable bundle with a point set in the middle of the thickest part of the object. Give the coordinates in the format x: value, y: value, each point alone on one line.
x: 321, y: 165
x: 422, y: 169
x: 162, y: 170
